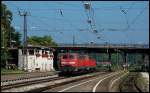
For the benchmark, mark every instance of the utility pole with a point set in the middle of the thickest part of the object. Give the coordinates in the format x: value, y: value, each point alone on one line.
x: 25, y: 14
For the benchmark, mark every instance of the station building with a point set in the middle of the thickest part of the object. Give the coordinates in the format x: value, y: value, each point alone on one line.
x: 37, y: 58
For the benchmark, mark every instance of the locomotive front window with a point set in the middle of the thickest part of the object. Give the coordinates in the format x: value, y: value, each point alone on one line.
x: 71, y: 57
x: 64, y: 56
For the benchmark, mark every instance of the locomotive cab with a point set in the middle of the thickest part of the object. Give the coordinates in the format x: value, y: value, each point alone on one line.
x: 75, y: 62
x: 68, y: 62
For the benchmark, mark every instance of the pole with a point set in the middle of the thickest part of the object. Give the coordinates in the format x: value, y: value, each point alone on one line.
x: 25, y: 38
x: 25, y: 54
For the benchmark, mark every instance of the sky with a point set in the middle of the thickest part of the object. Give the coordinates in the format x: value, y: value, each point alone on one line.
x: 64, y: 20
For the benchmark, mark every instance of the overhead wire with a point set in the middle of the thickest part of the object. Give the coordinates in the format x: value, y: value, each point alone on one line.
x: 130, y: 7
x: 88, y: 16
x: 63, y: 17
x: 125, y: 15
x: 129, y: 25
x: 71, y: 24
x: 87, y: 8
x: 67, y: 20
x: 134, y: 20
x: 92, y: 16
x: 93, y: 23
x: 125, y: 12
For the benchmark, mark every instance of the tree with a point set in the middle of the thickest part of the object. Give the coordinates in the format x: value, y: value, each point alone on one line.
x: 43, y: 41
x: 6, y: 18
x: 6, y: 31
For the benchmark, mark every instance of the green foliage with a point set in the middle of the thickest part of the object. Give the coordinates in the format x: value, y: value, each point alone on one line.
x: 116, y: 58
x: 6, y: 31
x: 16, y: 37
x: 4, y: 57
x: 8, y: 72
x: 6, y: 16
x: 135, y: 67
x: 43, y: 41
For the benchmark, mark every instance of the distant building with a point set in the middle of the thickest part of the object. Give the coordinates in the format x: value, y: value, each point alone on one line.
x: 38, y: 59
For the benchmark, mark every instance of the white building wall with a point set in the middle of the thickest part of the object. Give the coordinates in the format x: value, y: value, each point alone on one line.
x: 31, y: 63
x: 34, y: 62
x: 20, y: 59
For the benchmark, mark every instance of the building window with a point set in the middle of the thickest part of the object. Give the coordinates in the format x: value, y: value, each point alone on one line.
x: 31, y: 52
x: 46, y: 54
x: 24, y: 51
x: 37, y: 53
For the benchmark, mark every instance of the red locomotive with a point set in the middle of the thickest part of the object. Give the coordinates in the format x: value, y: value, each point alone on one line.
x: 75, y: 62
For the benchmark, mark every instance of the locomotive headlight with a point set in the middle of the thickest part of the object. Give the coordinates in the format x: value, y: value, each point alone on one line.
x: 71, y: 62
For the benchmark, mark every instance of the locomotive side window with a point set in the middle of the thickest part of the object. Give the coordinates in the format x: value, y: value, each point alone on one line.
x: 81, y: 57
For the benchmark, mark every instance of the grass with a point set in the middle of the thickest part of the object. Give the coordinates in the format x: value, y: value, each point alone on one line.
x: 141, y: 82
x: 8, y: 72
x: 127, y: 82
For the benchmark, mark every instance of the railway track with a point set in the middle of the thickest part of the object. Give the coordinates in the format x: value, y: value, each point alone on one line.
x: 128, y: 84
x: 25, y: 79
x: 34, y: 82
x: 26, y: 83
x: 78, y: 78
x: 91, y: 84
